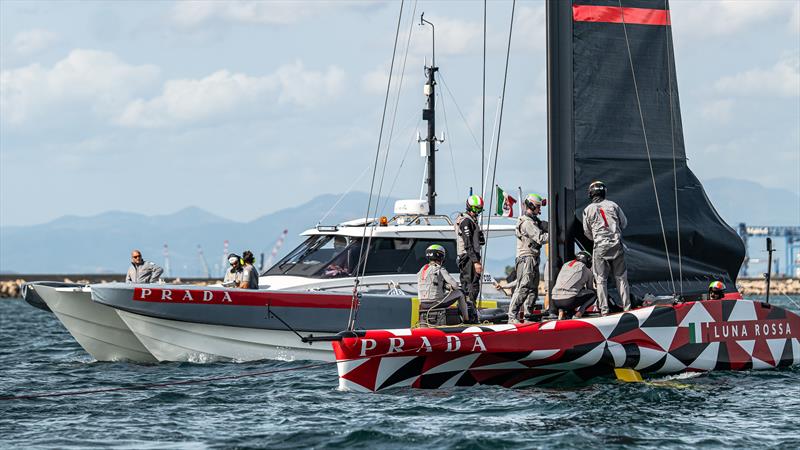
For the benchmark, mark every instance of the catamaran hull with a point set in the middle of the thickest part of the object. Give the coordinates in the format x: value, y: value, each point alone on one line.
x: 689, y: 337
x: 171, y: 340
x: 191, y: 323
x: 97, y: 328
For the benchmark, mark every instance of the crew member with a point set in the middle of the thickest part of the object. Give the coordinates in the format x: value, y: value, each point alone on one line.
x: 249, y: 271
x: 716, y: 290
x: 469, y: 241
x: 573, y: 288
x: 531, y: 235
x: 603, y: 222
x: 142, y: 271
x: 234, y: 275
x: 432, y: 280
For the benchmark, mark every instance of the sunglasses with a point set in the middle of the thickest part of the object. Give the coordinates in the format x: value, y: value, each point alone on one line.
x: 136, y: 256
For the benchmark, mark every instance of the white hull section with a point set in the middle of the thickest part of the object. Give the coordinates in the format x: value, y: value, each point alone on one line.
x: 171, y: 340
x: 97, y: 328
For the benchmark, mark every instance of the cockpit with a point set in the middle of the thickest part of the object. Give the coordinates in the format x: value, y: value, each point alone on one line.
x: 337, y: 256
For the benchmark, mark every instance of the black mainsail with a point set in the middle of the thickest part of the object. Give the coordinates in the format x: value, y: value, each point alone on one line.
x: 614, y: 115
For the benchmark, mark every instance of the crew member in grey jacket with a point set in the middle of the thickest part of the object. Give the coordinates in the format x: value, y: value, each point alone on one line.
x: 433, y: 282
x: 603, y: 222
x: 142, y: 271
x: 573, y: 288
x: 531, y: 235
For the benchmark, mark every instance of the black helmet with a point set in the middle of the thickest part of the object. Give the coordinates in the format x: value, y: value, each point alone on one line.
x: 597, y: 189
x: 435, y: 253
x: 585, y: 258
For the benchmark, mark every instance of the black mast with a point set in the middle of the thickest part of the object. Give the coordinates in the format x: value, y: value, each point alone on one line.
x: 560, y: 136
x: 429, y: 115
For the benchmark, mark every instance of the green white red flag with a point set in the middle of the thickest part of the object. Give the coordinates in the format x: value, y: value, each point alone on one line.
x: 505, y: 203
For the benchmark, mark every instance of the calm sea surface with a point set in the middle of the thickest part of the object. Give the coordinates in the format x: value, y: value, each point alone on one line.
x: 303, y: 408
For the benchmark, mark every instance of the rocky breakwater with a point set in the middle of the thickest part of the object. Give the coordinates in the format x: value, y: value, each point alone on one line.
x: 778, y: 286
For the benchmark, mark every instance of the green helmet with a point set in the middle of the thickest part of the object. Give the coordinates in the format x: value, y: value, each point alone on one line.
x: 534, y: 201
x: 475, y: 204
x: 435, y: 252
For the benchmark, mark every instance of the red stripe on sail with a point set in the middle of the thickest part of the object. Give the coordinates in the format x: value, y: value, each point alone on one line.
x: 603, y: 213
x: 615, y: 14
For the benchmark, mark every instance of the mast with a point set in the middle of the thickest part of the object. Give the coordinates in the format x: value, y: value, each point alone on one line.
x: 560, y: 137
x: 429, y: 115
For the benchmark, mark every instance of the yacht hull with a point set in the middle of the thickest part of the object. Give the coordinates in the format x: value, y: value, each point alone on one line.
x: 191, y: 323
x: 97, y: 328
x: 688, y: 337
x: 172, y: 340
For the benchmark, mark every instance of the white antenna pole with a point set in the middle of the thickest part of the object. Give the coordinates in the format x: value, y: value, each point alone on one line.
x: 519, y: 203
x: 167, y: 272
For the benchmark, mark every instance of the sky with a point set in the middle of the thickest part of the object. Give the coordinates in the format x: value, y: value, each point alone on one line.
x: 243, y: 108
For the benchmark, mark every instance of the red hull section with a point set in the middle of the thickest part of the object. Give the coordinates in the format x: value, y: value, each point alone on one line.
x: 694, y: 336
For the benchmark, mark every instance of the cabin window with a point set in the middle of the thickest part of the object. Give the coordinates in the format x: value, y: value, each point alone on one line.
x: 337, y: 257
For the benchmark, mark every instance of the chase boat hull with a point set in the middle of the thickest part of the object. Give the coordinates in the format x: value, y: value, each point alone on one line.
x: 204, y: 324
x: 97, y: 328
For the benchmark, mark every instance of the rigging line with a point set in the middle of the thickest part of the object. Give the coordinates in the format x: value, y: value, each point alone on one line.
x: 458, y: 108
x: 396, y: 105
x: 672, y: 135
x: 483, y: 99
x: 647, y: 147
x: 341, y: 197
x: 353, y: 301
x: 491, y: 144
x: 450, y: 146
x: 792, y: 300
x: 499, y: 126
x: 411, y: 141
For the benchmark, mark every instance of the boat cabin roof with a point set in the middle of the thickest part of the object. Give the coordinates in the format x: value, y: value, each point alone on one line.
x: 425, y: 227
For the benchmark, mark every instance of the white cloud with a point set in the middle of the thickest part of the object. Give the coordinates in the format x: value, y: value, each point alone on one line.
x: 224, y: 93
x: 782, y: 79
x: 718, y: 110
x: 530, y: 28
x: 194, y: 13
x: 727, y: 16
x: 91, y: 80
x: 32, y: 41
x: 794, y: 23
x: 453, y: 37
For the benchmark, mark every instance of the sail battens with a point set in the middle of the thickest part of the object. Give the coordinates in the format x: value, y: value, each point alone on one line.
x: 615, y: 14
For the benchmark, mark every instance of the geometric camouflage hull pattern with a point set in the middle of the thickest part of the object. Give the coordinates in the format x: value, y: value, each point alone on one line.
x: 693, y: 336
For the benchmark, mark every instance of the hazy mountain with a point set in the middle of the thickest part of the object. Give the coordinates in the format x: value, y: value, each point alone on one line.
x: 749, y: 202
x: 102, y: 243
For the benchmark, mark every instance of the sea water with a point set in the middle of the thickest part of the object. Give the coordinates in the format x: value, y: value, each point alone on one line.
x: 303, y: 408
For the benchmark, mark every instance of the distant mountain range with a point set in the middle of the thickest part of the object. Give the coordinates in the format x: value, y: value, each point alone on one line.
x: 102, y: 243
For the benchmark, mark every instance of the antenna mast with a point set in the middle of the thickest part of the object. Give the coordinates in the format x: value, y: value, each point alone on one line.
x: 428, y: 149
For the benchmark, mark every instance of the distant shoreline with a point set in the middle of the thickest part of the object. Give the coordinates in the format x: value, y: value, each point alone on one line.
x: 10, y: 283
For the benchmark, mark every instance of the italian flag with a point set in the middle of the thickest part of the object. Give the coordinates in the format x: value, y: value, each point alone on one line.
x: 505, y: 203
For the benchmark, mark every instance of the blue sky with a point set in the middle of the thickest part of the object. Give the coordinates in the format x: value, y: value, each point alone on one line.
x: 243, y: 108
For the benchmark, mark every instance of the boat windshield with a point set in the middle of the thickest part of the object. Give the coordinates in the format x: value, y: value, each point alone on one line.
x: 326, y: 256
